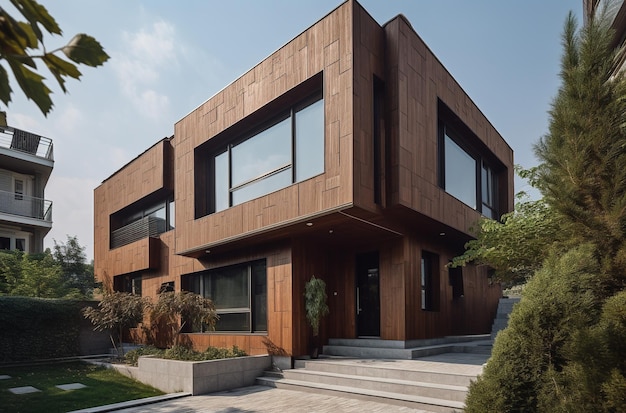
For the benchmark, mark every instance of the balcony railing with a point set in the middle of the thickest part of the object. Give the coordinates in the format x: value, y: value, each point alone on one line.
x: 26, y: 142
x: 25, y: 206
x: 149, y: 226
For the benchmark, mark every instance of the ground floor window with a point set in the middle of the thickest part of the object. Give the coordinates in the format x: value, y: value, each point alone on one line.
x: 128, y: 283
x: 239, y: 293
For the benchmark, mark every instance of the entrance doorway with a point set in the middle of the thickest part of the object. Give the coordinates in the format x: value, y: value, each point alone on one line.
x: 367, y: 295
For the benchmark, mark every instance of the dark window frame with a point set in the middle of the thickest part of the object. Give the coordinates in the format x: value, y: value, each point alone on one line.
x: 450, y: 126
x: 256, y: 323
x: 288, y: 114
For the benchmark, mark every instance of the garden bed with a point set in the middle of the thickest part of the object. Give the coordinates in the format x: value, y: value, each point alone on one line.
x: 197, y: 377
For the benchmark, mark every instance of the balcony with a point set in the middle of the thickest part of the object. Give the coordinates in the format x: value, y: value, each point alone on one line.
x: 149, y: 226
x: 26, y: 152
x: 26, y: 209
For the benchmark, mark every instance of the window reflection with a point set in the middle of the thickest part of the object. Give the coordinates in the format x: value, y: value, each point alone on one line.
x: 460, y: 173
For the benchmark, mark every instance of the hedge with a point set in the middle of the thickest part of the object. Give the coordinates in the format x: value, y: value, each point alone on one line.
x: 37, y: 328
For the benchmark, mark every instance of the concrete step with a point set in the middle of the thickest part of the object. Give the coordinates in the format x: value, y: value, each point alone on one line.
x: 389, y: 349
x: 417, y: 388
x: 419, y: 402
x: 367, y: 368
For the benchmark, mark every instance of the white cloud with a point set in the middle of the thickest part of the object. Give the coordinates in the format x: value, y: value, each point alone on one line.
x: 140, y: 66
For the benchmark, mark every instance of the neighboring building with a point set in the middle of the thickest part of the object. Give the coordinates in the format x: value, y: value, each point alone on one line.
x: 26, y: 162
x: 350, y: 154
x: 616, y: 13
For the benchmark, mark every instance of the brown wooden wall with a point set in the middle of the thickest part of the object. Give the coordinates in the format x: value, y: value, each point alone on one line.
x: 144, y: 175
x: 325, y: 47
x: 419, y: 80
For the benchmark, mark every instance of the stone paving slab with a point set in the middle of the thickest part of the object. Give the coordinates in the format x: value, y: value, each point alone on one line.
x: 4, y: 377
x: 24, y: 390
x: 262, y: 399
x: 71, y: 386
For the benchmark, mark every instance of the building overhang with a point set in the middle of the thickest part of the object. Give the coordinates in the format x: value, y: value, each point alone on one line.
x: 26, y: 222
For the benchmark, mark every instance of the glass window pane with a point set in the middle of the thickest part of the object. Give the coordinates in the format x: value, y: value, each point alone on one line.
x: 233, y: 322
x: 221, y: 182
x: 310, y: 141
x: 20, y: 244
x: 229, y: 287
x: 262, y: 153
x: 259, y: 300
x: 262, y: 187
x: 460, y: 173
x: 172, y: 215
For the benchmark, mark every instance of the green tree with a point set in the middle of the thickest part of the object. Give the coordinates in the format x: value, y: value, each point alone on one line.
x: 564, y: 348
x: 174, y: 311
x: 77, y: 274
x: 516, y: 245
x: 22, y: 45
x: 40, y: 276
x: 116, y: 312
x: 583, y: 169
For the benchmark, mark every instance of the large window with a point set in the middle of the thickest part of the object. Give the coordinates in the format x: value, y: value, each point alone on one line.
x: 239, y: 293
x: 465, y: 174
x: 286, y: 150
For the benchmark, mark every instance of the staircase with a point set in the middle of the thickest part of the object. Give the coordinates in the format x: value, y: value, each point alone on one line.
x: 436, y: 383
x: 505, y: 306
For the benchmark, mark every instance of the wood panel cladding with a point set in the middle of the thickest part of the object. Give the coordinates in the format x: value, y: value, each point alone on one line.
x: 325, y: 49
x: 418, y: 83
x: 147, y: 174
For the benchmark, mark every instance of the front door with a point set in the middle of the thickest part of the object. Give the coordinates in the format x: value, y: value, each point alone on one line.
x: 367, y: 295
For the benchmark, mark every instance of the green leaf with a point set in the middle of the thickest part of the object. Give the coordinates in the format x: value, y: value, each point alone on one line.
x: 86, y: 50
x: 33, y: 86
x: 5, y: 89
x: 60, y: 68
x: 36, y: 14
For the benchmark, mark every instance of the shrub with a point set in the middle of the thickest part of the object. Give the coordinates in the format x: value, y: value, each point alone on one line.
x: 184, y: 353
x: 526, y: 370
x: 37, y: 328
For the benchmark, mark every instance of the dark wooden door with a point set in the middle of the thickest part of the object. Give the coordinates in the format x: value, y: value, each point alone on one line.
x: 367, y: 295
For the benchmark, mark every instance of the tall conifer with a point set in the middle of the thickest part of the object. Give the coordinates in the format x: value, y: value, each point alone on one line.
x: 583, y: 169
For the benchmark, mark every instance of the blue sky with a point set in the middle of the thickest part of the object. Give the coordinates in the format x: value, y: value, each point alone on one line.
x: 169, y: 57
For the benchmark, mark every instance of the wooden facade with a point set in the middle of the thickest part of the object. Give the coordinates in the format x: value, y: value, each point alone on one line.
x: 378, y: 203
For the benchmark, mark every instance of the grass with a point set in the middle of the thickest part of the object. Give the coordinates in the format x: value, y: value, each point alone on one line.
x: 104, y: 386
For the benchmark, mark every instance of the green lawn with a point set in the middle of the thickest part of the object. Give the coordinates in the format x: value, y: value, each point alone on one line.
x: 104, y: 386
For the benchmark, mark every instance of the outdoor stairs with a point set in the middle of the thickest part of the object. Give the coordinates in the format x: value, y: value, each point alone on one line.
x: 505, y: 306
x: 384, y: 371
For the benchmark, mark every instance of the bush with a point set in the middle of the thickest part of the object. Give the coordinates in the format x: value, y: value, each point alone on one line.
x: 529, y: 361
x: 184, y: 353
x: 38, y: 328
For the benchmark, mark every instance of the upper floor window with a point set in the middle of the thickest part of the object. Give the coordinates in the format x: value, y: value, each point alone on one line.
x: 19, y: 189
x: 287, y: 150
x: 464, y: 170
x: 136, y: 222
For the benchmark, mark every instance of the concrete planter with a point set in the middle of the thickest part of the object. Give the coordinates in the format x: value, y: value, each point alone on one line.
x: 197, y: 377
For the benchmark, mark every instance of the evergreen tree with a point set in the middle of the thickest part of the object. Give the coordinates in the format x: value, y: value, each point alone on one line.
x: 583, y: 170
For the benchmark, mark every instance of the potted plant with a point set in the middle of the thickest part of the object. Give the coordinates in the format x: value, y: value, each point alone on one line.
x: 315, y: 302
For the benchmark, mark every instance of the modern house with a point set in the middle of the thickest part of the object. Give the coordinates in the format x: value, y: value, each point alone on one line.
x: 26, y: 162
x: 350, y: 154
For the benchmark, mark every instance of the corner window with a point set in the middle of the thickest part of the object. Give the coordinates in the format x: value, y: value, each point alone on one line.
x: 239, y: 293
x: 287, y: 150
x: 464, y: 170
x: 429, y: 273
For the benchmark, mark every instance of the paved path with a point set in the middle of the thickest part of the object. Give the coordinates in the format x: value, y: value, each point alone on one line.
x: 267, y: 399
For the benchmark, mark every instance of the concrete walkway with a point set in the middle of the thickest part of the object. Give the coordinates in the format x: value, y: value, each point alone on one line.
x: 266, y: 399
